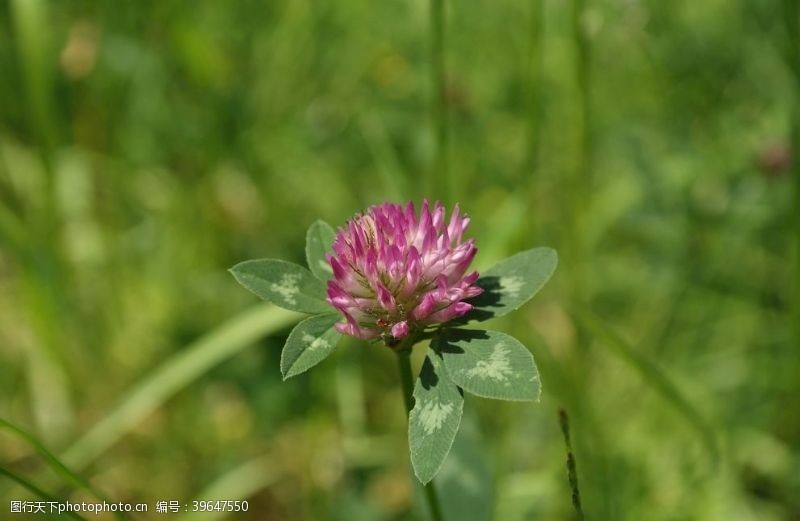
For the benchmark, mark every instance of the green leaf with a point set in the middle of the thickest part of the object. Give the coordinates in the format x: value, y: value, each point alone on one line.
x: 309, y: 343
x: 434, y: 420
x: 512, y: 282
x: 489, y: 364
x: 284, y: 284
x: 319, y: 242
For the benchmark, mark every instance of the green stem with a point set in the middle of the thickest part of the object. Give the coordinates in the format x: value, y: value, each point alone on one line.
x: 791, y: 15
x: 572, y: 472
x: 534, y: 102
x: 36, y: 490
x: 581, y: 182
x: 443, y: 184
x: 583, y: 80
x: 56, y: 464
x: 407, y: 379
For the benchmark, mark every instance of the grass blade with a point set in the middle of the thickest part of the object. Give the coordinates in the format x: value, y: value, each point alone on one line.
x: 30, y: 18
x: 56, y: 464
x: 652, y: 374
x: 792, y: 21
x: 237, y: 484
x: 35, y: 490
x: 175, y: 374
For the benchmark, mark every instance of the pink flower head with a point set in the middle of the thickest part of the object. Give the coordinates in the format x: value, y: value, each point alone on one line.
x: 394, y: 271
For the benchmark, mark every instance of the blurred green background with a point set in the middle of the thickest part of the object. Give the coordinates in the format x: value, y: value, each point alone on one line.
x: 147, y: 146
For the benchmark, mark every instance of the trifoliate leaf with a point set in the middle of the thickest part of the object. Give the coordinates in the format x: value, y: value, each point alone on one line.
x: 434, y: 420
x: 512, y: 282
x: 284, y: 284
x: 309, y: 343
x: 489, y: 364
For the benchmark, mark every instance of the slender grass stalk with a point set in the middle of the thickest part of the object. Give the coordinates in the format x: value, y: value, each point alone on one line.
x: 56, y: 464
x: 572, y: 471
x: 792, y: 20
x: 41, y: 257
x: 390, y: 169
x: 581, y: 188
x: 30, y: 22
x: 566, y: 380
x: 534, y: 106
x: 443, y: 184
x: 407, y: 380
x: 583, y: 81
x: 35, y: 490
x: 602, y: 498
x: 176, y: 373
x: 653, y: 375
x: 31, y: 27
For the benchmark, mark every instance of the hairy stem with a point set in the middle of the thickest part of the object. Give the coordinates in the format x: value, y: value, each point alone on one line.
x: 407, y: 379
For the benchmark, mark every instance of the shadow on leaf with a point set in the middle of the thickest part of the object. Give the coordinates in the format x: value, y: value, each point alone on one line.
x: 445, y: 342
x: 483, y: 303
x: 427, y: 375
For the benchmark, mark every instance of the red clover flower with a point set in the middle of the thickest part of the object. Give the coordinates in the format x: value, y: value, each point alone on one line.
x: 395, y: 271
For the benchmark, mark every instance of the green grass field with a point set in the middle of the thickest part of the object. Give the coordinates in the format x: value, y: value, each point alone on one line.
x: 146, y: 147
